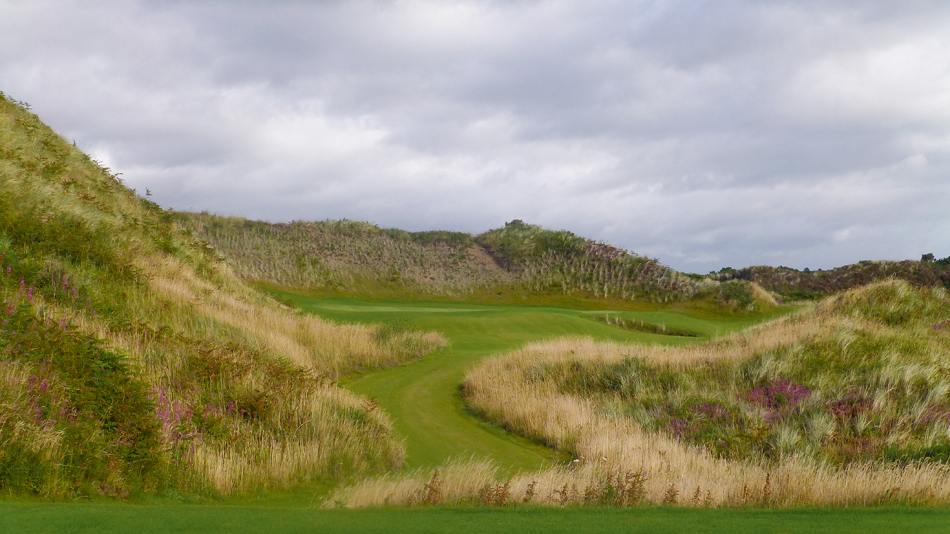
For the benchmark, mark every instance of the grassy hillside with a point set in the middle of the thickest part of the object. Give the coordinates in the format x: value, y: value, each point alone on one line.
x: 792, y: 284
x: 560, y: 261
x: 519, y: 263
x: 514, y: 263
x: 133, y: 359
x: 349, y: 258
x: 870, y: 383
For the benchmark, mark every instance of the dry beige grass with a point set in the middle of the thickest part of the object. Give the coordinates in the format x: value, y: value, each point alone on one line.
x: 765, y: 299
x: 308, y: 341
x: 357, y: 256
x: 512, y: 391
x: 264, y: 460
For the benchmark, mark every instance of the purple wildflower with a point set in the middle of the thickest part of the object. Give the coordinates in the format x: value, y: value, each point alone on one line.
x: 778, y: 394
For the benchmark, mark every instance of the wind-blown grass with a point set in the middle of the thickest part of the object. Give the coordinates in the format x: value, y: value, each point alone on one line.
x: 349, y: 258
x: 346, y: 258
x: 560, y: 261
x: 842, y: 404
x: 792, y: 284
x: 135, y: 360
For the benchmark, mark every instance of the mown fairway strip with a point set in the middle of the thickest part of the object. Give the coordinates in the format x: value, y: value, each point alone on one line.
x: 42, y: 518
x: 423, y: 397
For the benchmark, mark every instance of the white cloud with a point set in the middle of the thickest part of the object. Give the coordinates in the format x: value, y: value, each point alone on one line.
x: 898, y: 84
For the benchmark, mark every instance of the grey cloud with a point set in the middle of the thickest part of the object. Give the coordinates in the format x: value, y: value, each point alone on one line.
x: 703, y: 133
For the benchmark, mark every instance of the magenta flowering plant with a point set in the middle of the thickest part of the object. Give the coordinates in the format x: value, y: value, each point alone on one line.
x: 850, y: 405
x: 84, y: 393
x: 778, y: 394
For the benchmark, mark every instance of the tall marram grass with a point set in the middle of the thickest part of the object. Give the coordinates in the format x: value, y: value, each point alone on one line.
x: 358, y: 258
x: 349, y: 257
x: 134, y: 359
x: 846, y: 403
x: 792, y: 284
x: 560, y: 261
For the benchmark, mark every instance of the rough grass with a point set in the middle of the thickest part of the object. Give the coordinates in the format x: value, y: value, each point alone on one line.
x: 792, y: 284
x: 358, y: 259
x: 349, y: 258
x: 136, y: 361
x: 423, y: 397
x: 830, y: 407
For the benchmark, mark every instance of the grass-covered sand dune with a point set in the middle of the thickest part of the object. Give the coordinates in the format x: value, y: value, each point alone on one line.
x: 791, y: 284
x: 347, y: 258
x: 516, y: 264
x: 132, y: 359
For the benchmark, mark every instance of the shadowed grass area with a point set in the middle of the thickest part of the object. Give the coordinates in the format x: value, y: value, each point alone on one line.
x: 423, y: 397
x: 39, y: 518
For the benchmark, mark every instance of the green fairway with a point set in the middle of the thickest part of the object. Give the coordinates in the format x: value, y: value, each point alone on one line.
x: 37, y: 518
x: 423, y: 397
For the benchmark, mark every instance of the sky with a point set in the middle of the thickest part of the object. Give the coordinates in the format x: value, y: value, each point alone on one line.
x: 705, y: 134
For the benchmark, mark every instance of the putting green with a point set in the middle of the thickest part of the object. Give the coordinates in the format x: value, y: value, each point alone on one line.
x: 423, y: 396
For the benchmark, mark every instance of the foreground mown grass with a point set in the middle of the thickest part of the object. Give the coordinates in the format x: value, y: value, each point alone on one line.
x: 32, y: 518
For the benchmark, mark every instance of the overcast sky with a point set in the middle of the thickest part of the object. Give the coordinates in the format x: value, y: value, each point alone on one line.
x: 702, y: 133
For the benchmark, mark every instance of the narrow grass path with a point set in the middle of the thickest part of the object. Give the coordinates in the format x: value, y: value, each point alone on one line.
x: 423, y: 397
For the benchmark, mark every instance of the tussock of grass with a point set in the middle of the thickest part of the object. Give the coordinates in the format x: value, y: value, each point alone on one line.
x: 135, y: 360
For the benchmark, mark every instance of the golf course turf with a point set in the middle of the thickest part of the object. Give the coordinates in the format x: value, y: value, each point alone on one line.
x: 108, y: 518
x: 423, y: 399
